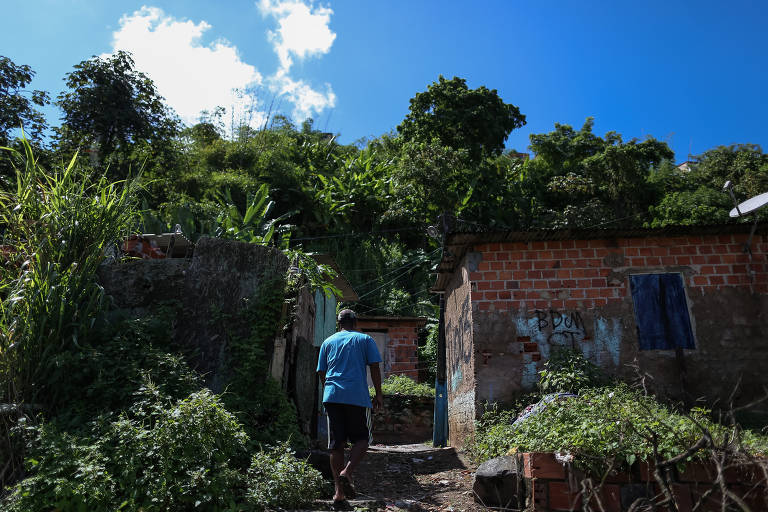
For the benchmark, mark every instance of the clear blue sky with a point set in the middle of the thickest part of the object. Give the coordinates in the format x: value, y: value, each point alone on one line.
x: 694, y: 74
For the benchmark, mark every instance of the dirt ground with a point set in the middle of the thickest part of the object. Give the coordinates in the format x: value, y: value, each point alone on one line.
x: 415, y: 477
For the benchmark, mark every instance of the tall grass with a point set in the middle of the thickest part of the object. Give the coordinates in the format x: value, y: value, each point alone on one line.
x: 55, y: 229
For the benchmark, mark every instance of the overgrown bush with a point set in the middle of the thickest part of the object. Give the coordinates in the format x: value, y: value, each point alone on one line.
x: 402, y: 385
x: 614, y: 423
x: 159, y: 455
x: 105, y: 375
x: 57, y: 225
x: 276, y: 478
x: 568, y: 371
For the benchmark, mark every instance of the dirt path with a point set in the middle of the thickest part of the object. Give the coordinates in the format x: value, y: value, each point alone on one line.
x: 414, y: 477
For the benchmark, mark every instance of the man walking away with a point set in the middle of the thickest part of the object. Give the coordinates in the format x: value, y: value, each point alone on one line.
x: 344, y: 358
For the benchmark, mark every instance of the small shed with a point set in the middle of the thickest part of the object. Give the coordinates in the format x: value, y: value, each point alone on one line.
x: 397, y: 338
x: 687, y: 306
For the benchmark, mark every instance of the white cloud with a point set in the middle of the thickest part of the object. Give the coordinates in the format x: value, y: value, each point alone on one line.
x: 191, y: 76
x: 303, y: 31
x: 305, y: 99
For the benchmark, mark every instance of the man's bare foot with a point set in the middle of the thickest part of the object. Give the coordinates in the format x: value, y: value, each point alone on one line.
x: 347, y: 486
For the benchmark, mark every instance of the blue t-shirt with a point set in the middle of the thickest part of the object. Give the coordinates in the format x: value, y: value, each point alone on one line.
x: 344, y: 357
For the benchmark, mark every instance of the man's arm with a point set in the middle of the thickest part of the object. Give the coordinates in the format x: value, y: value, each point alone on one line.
x: 378, y: 400
x: 322, y: 378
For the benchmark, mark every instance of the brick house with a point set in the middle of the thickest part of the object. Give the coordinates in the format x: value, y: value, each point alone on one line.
x: 397, y: 339
x: 687, y: 304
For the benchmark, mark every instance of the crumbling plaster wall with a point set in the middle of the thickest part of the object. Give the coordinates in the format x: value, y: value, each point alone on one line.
x: 527, y: 298
x: 299, y: 363
x: 460, y: 359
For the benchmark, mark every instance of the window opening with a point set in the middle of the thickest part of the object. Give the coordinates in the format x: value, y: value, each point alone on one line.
x: 661, y: 312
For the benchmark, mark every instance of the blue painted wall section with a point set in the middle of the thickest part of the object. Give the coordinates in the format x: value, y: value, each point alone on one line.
x: 325, y: 325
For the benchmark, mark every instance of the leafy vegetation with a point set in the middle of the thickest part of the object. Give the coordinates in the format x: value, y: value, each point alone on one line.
x: 402, y: 385
x: 277, y: 479
x: 607, y: 424
x: 98, y: 403
x: 57, y: 226
x: 135, y: 461
x: 568, y: 371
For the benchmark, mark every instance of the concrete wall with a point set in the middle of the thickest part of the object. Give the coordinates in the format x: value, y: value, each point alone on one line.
x: 403, y: 420
x: 216, y: 282
x: 460, y: 356
x: 527, y: 298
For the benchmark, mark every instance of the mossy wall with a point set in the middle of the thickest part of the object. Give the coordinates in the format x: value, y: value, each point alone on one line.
x: 206, y: 297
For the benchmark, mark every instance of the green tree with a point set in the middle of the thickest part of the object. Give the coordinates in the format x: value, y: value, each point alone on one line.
x: 694, y: 195
x: 114, y: 110
x: 475, y: 120
x: 580, y: 179
x: 17, y: 104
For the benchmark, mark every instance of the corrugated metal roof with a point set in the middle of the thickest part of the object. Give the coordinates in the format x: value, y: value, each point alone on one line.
x: 458, y: 242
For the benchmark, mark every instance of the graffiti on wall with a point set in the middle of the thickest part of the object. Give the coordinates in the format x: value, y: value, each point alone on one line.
x: 552, y: 328
x: 561, y: 329
x: 461, y: 349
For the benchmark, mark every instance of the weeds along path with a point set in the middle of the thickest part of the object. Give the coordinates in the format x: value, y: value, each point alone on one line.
x: 414, y: 477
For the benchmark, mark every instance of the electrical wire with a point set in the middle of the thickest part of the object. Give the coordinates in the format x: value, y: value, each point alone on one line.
x: 385, y: 284
x: 413, y: 263
x: 353, y: 235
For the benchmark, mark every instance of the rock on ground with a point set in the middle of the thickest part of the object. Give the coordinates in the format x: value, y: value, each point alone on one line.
x: 498, y: 484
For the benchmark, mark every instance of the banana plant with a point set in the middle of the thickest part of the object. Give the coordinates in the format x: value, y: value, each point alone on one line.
x: 361, y: 190
x: 254, y: 225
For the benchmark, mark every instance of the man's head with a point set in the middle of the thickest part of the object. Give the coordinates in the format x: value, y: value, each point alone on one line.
x: 347, y: 319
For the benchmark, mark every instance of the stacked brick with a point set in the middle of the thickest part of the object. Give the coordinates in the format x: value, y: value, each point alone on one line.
x: 586, y: 274
x: 552, y: 486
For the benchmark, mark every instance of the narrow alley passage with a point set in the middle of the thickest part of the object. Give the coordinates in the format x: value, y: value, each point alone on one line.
x: 415, y: 477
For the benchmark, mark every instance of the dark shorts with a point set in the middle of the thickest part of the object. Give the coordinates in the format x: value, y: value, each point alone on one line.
x: 347, y: 423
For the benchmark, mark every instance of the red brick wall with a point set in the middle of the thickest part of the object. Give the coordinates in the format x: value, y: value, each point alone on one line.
x: 402, y: 345
x: 549, y: 486
x: 581, y: 274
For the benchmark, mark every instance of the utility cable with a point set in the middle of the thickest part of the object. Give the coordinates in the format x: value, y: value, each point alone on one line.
x: 385, y: 284
x: 416, y: 261
x: 353, y: 235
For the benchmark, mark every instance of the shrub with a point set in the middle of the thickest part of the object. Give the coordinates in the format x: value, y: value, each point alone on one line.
x: 604, y: 424
x: 277, y: 478
x: 402, y: 385
x: 157, y: 456
x: 105, y: 376
x: 568, y: 371
x: 59, y: 224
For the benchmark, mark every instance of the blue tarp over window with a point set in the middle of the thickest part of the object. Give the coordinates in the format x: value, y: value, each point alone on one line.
x: 661, y: 312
